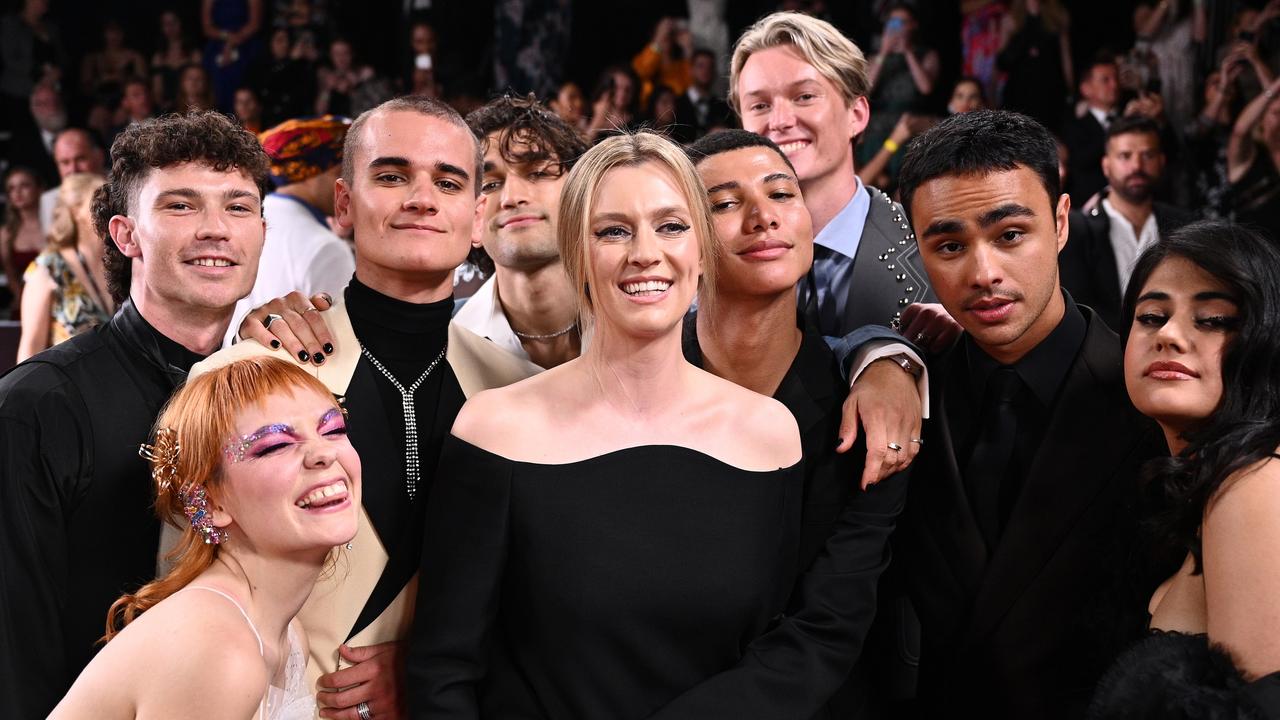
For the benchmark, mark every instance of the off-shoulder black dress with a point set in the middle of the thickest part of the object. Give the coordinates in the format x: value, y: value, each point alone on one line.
x: 595, y: 589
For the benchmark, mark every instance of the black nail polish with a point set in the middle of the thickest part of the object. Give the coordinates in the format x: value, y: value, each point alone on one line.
x: 328, y: 348
x: 275, y: 344
x: 318, y: 358
x: 303, y: 355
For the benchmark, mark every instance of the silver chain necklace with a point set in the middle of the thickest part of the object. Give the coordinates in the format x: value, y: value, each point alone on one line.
x: 410, y: 415
x: 548, y: 336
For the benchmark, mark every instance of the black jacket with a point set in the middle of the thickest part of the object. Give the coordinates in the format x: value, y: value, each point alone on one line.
x: 1087, y: 265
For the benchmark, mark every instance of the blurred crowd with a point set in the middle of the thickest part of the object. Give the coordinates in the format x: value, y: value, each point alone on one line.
x: 1202, y: 72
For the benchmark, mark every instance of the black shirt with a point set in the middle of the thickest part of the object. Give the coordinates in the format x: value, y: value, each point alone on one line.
x: 77, y: 529
x: 1042, y: 371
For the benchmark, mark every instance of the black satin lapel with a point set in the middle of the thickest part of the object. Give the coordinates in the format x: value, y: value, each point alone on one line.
x: 1089, y: 436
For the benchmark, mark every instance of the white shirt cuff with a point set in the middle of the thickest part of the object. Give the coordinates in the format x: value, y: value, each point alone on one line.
x: 877, y: 349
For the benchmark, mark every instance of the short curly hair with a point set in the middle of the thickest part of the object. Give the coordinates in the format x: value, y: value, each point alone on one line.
x: 207, y: 137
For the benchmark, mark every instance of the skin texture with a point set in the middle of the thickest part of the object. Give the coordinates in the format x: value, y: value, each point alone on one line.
x: 74, y: 153
x: 1185, y: 316
x: 519, y: 228
x: 182, y: 214
x: 998, y: 277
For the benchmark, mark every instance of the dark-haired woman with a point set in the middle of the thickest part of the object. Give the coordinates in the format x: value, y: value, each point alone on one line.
x: 1202, y: 358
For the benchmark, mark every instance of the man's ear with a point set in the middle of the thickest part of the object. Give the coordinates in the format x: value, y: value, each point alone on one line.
x: 1062, y: 217
x: 342, y: 204
x: 477, y: 223
x: 122, y: 228
x: 859, y: 116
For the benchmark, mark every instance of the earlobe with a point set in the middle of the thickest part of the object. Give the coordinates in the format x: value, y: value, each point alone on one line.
x: 121, y: 228
x: 477, y: 225
x: 859, y: 116
x: 1063, y: 217
x: 341, y: 203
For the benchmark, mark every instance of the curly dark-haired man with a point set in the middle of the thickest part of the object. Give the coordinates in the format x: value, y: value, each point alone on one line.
x: 181, y: 219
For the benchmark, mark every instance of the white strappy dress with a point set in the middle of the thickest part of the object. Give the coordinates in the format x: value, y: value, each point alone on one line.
x: 292, y: 700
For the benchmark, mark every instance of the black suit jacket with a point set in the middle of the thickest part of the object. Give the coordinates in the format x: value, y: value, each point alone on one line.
x: 1087, y: 265
x: 1027, y: 631
x: 1086, y: 142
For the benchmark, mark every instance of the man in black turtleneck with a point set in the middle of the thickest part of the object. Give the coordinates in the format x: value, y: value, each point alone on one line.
x: 409, y: 190
x: 181, y: 218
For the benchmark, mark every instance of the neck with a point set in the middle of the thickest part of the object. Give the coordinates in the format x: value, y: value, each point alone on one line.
x: 1135, y: 213
x: 641, y: 378
x: 540, y: 302
x: 272, y: 589
x: 826, y: 196
x: 750, y: 341
x: 30, y: 214
x: 1173, y: 438
x: 414, y: 287
x: 198, y: 329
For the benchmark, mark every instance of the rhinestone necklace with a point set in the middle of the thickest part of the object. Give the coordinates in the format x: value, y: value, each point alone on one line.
x: 410, y: 415
x: 548, y: 336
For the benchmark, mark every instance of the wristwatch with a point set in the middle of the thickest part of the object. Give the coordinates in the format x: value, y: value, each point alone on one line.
x: 909, y: 366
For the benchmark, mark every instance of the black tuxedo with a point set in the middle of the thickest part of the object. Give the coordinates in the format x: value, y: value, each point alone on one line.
x: 693, y: 125
x: 1025, y: 631
x: 1086, y: 142
x: 1087, y: 265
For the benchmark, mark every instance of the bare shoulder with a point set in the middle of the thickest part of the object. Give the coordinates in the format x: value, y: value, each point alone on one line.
x: 762, y: 427
x: 1250, y: 495
x: 208, y: 652
x: 504, y: 420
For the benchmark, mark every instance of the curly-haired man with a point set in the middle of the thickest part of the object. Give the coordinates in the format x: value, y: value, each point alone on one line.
x: 181, y: 220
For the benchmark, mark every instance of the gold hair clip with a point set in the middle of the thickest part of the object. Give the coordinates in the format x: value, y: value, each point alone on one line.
x: 164, y: 454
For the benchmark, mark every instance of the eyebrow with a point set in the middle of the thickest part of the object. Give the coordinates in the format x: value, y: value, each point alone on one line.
x: 329, y: 416
x: 1205, y: 296
x: 623, y: 217
x: 730, y: 185
x: 194, y: 194
x: 778, y: 176
x: 948, y: 226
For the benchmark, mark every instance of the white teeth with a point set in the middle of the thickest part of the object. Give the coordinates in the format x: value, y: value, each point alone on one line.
x: 793, y: 146
x: 339, y: 487
x: 648, y: 287
x: 211, y: 262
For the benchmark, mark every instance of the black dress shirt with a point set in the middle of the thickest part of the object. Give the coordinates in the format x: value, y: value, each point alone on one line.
x: 77, y: 528
x: 1042, y: 371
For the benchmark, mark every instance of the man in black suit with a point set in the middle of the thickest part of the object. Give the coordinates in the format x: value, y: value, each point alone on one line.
x: 699, y: 110
x: 1107, y: 238
x: 1085, y: 135
x: 1019, y: 521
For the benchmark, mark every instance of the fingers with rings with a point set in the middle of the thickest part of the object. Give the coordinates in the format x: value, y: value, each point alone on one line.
x: 918, y: 441
x: 270, y: 318
x: 895, y: 447
x: 362, y: 709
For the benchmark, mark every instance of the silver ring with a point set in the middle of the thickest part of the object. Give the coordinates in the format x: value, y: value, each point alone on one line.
x: 918, y: 441
x: 270, y: 318
x: 362, y: 709
x: 895, y: 447
x: 920, y: 338
x: 310, y: 309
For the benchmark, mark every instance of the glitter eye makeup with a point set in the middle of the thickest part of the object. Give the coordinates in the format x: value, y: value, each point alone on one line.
x: 237, y: 447
x: 335, y: 419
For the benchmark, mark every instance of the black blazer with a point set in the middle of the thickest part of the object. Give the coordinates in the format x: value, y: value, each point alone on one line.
x: 1086, y: 142
x: 1026, y: 632
x: 1087, y: 265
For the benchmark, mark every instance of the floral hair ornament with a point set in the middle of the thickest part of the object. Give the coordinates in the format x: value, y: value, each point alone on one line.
x: 195, y: 501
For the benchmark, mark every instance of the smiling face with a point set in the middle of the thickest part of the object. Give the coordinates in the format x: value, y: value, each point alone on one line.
x: 290, y: 479
x: 642, y: 252
x: 194, y: 235
x: 785, y: 99
x: 1183, y: 321
x: 523, y: 201
x: 990, y: 246
x: 410, y: 200
x: 764, y: 230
